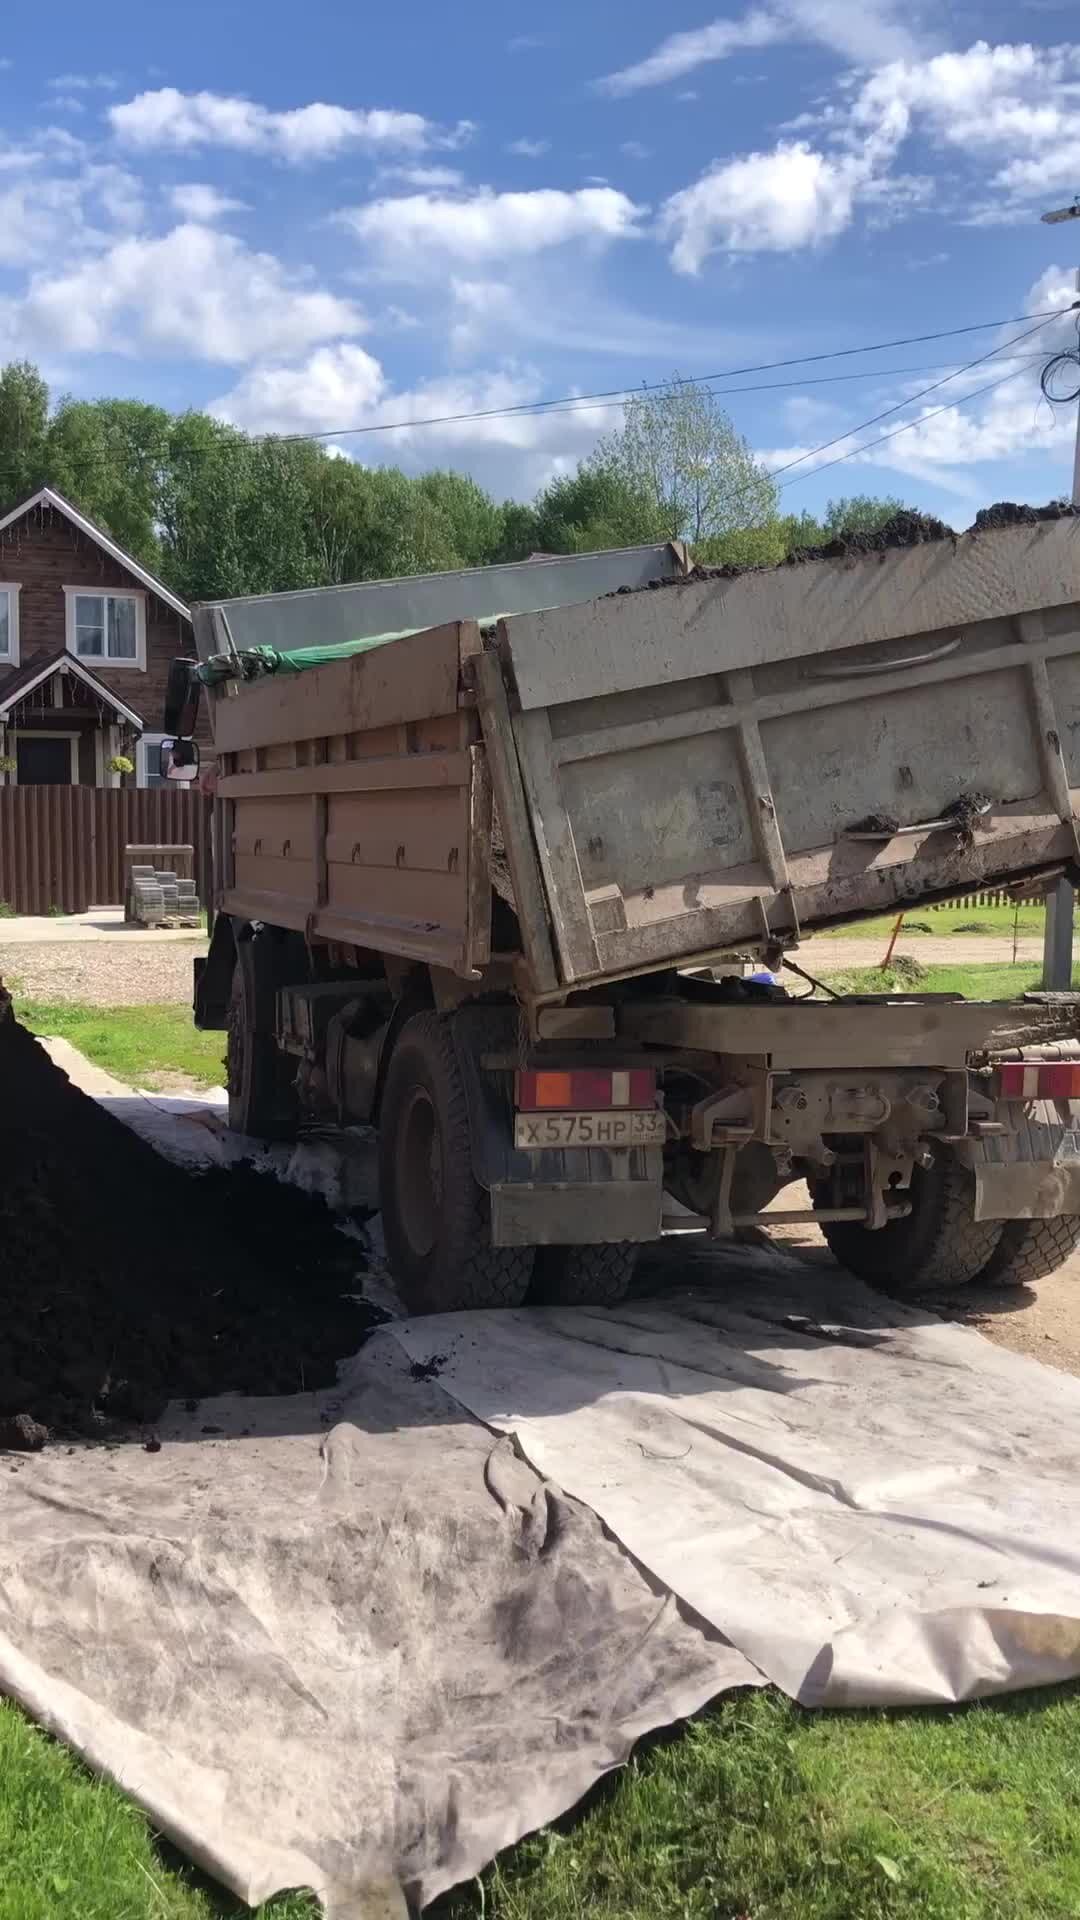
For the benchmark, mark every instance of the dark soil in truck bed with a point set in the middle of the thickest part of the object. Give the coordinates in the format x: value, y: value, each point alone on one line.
x: 908, y: 528
x: 126, y: 1281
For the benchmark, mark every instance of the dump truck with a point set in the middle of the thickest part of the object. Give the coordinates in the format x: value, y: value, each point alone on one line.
x: 493, y: 850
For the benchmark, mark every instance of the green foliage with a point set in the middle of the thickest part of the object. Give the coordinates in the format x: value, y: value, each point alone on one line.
x: 678, y: 451
x: 598, y: 506
x: 852, y: 513
x: 217, y: 513
x: 24, y: 419
x: 860, y: 513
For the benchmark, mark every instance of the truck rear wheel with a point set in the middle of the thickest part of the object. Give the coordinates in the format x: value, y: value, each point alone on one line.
x: 1030, y: 1249
x: 436, y: 1218
x: 938, y: 1244
x: 262, y: 1101
x: 579, y: 1276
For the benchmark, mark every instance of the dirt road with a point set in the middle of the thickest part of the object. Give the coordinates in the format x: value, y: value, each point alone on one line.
x: 1042, y: 1321
x: 102, y: 973
x: 834, y: 953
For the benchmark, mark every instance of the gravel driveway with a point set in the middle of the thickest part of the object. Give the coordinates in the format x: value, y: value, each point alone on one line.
x: 100, y: 973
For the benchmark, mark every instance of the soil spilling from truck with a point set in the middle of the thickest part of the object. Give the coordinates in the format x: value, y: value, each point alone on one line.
x: 126, y: 1282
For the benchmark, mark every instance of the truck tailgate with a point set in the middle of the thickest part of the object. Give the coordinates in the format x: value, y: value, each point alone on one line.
x: 725, y: 759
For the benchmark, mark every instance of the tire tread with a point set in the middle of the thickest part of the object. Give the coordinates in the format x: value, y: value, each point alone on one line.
x: 1028, y: 1250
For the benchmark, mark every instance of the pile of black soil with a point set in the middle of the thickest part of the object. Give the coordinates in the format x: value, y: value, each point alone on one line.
x: 1006, y: 513
x: 905, y: 529
x: 126, y: 1282
x: 908, y: 528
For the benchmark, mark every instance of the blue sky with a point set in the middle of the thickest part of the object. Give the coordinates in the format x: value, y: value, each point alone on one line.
x: 342, y: 216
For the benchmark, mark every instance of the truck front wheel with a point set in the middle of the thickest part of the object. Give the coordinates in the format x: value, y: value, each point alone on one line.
x: 435, y: 1216
x: 938, y: 1244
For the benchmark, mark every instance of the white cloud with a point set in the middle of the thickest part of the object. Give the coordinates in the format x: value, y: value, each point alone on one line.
x: 683, y: 53
x: 1009, y: 112
x: 50, y: 216
x: 426, y: 178
x: 333, y: 388
x: 762, y: 203
x: 85, y: 83
x: 195, y: 293
x: 343, y: 386
x: 194, y: 200
x: 168, y: 118
x: 485, y: 225
x: 1014, y: 107
x: 635, y: 150
x: 868, y: 33
x: 67, y: 103
x: 529, y: 149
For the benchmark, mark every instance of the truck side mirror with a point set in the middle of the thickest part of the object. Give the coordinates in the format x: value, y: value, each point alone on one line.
x: 179, y: 760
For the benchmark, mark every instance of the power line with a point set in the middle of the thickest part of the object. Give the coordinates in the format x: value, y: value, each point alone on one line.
x: 949, y: 406
x: 572, y: 403
x: 763, y: 386
x: 911, y: 400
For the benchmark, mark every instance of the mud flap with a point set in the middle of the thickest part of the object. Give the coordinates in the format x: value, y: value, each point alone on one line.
x: 213, y: 978
x: 1032, y: 1172
x: 557, y: 1196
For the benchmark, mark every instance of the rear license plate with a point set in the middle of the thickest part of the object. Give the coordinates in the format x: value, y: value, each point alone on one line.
x: 590, y: 1129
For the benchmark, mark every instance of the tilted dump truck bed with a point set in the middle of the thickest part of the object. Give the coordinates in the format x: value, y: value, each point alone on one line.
x: 712, y: 765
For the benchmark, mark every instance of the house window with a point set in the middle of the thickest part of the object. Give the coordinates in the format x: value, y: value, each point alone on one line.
x: 106, y: 629
x: 9, y: 625
x: 149, y: 761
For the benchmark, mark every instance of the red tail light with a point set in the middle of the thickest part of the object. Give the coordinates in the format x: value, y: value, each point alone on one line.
x: 1039, y: 1080
x: 584, y: 1089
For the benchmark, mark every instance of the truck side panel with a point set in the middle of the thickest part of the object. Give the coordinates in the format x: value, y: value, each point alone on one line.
x: 355, y: 805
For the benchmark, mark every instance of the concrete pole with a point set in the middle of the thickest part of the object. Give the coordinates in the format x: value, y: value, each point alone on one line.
x: 1061, y: 900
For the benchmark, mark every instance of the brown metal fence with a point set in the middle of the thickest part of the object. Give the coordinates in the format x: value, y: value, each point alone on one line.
x: 63, y: 847
x: 993, y: 897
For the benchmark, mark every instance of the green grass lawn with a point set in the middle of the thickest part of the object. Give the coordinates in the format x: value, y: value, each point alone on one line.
x: 939, y: 921
x: 754, y: 1810
x: 136, y: 1044
x: 991, y: 982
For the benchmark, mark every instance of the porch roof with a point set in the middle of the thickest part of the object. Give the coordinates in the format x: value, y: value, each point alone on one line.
x: 31, y: 676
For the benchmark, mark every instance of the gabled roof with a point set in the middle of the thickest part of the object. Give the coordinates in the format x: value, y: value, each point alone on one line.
x: 35, y: 671
x: 48, y: 497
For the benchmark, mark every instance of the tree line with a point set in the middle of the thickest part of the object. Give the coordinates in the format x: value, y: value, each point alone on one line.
x: 215, y: 512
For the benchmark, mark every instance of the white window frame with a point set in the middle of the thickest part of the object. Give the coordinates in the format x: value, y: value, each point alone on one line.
x: 11, y: 589
x: 146, y: 743
x: 104, y: 662
x: 15, y: 734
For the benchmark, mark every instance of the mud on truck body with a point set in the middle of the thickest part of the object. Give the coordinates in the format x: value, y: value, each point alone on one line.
x: 490, y: 848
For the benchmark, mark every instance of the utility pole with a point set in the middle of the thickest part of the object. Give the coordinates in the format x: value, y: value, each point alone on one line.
x: 1061, y: 900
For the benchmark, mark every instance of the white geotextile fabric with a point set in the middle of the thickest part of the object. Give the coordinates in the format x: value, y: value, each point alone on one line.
x: 874, y: 1506
x: 350, y: 1641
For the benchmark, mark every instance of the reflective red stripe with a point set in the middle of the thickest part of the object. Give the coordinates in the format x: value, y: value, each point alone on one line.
x: 1039, y: 1080
x: 584, y: 1089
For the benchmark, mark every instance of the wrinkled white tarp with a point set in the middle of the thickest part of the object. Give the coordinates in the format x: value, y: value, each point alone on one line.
x: 358, y: 1656
x: 873, y: 1506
